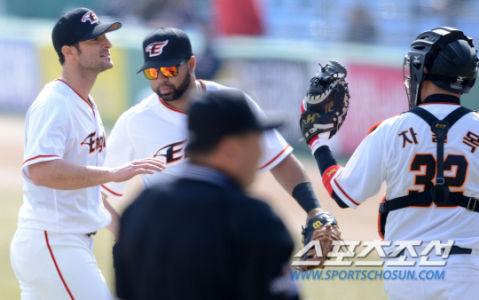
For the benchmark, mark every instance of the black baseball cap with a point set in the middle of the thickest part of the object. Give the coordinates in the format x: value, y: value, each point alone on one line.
x: 215, y: 114
x: 165, y: 47
x: 78, y: 25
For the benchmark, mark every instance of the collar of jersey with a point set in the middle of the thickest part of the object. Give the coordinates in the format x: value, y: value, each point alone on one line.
x: 170, y: 107
x: 442, y: 98
x: 87, y: 101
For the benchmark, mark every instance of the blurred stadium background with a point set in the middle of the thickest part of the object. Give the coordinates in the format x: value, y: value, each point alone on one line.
x: 269, y: 48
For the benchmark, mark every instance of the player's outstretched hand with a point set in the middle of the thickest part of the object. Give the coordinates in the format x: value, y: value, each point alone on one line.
x: 326, y: 104
x: 137, y: 167
x: 323, y: 227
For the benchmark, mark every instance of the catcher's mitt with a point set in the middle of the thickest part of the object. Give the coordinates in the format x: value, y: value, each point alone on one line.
x: 323, y: 227
x: 326, y: 103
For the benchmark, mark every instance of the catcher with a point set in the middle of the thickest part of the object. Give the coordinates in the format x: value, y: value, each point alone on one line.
x: 426, y: 156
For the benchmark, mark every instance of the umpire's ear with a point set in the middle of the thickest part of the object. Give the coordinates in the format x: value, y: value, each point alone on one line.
x: 192, y: 64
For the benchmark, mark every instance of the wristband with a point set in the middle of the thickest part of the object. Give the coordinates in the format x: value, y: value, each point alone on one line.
x: 318, y: 141
x: 304, y: 195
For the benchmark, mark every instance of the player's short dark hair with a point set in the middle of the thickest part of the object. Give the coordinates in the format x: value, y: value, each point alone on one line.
x: 61, y: 57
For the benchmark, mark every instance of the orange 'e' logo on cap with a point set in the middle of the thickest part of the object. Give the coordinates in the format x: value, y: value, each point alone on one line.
x: 90, y: 17
x: 155, y: 48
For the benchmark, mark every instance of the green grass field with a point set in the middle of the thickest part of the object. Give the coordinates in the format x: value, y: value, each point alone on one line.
x: 11, y: 203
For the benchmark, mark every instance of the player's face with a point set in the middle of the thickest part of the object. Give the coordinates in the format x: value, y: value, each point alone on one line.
x: 173, y: 88
x: 94, y: 54
x: 249, y: 153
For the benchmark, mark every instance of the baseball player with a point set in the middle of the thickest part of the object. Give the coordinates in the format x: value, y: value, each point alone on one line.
x: 427, y: 156
x: 156, y: 127
x: 51, y: 251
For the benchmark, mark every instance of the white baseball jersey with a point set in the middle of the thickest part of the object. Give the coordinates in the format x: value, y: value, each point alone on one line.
x: 152, y: 128
x: 401, y: 152
x: 62, y: 125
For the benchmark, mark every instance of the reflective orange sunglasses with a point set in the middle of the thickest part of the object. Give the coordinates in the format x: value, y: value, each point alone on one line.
x: 168, y: 72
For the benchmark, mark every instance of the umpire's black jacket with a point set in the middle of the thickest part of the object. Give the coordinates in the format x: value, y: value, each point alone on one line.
x: 202, y: 237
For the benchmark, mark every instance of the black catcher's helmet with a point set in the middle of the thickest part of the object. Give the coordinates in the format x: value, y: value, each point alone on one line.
x: 449, y: 57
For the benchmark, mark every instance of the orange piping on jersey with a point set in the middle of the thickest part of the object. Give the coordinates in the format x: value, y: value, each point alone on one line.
x: 203, y: 85
x: 38, y: 156
x: 116, y: 194
x: 274, y: 158
x: 171, y: 107
x: 345, y: 194
x: 328, y: 175
x: 377, y: 125
x: 86, y: 101
x: 374, y: 127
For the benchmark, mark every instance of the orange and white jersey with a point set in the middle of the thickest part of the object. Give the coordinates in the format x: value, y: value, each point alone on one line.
x: 62, y: 125
x: 402, y: 152
x: 152, y: 128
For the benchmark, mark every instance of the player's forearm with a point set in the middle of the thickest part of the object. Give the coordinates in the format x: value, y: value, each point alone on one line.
x: 63, y: 175
x: 328, y: 167
x: 291, y: 175
x: 324, y: 159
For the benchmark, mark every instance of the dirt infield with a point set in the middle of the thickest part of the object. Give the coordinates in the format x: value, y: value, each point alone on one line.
x: 12, y: 136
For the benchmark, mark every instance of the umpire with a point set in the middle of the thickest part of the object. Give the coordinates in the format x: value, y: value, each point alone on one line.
x: 200, y: 236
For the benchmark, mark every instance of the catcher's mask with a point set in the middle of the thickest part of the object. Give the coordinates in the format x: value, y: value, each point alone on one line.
x: 449, y: 58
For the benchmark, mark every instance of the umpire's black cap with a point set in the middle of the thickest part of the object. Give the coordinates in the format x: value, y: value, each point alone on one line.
x: 219, y: 113
x: 166, y: 47
x: 78, y: 25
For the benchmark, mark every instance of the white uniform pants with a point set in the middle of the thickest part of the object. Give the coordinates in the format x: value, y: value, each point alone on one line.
x: 53, y: 266
x: 460, y: 281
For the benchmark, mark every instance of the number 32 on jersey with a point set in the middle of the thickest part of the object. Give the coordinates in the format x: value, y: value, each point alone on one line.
x: 424, y: 167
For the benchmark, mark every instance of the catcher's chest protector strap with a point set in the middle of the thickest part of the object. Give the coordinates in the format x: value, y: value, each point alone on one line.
x: 439, y: 193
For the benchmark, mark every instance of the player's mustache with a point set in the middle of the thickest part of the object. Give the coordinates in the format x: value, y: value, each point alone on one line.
x: 166, y: 85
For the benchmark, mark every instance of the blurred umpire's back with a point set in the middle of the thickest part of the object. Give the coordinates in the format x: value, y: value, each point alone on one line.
x: 201, y: 236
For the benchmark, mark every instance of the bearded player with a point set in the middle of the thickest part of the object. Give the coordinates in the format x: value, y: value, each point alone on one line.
x: 156, y: 127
